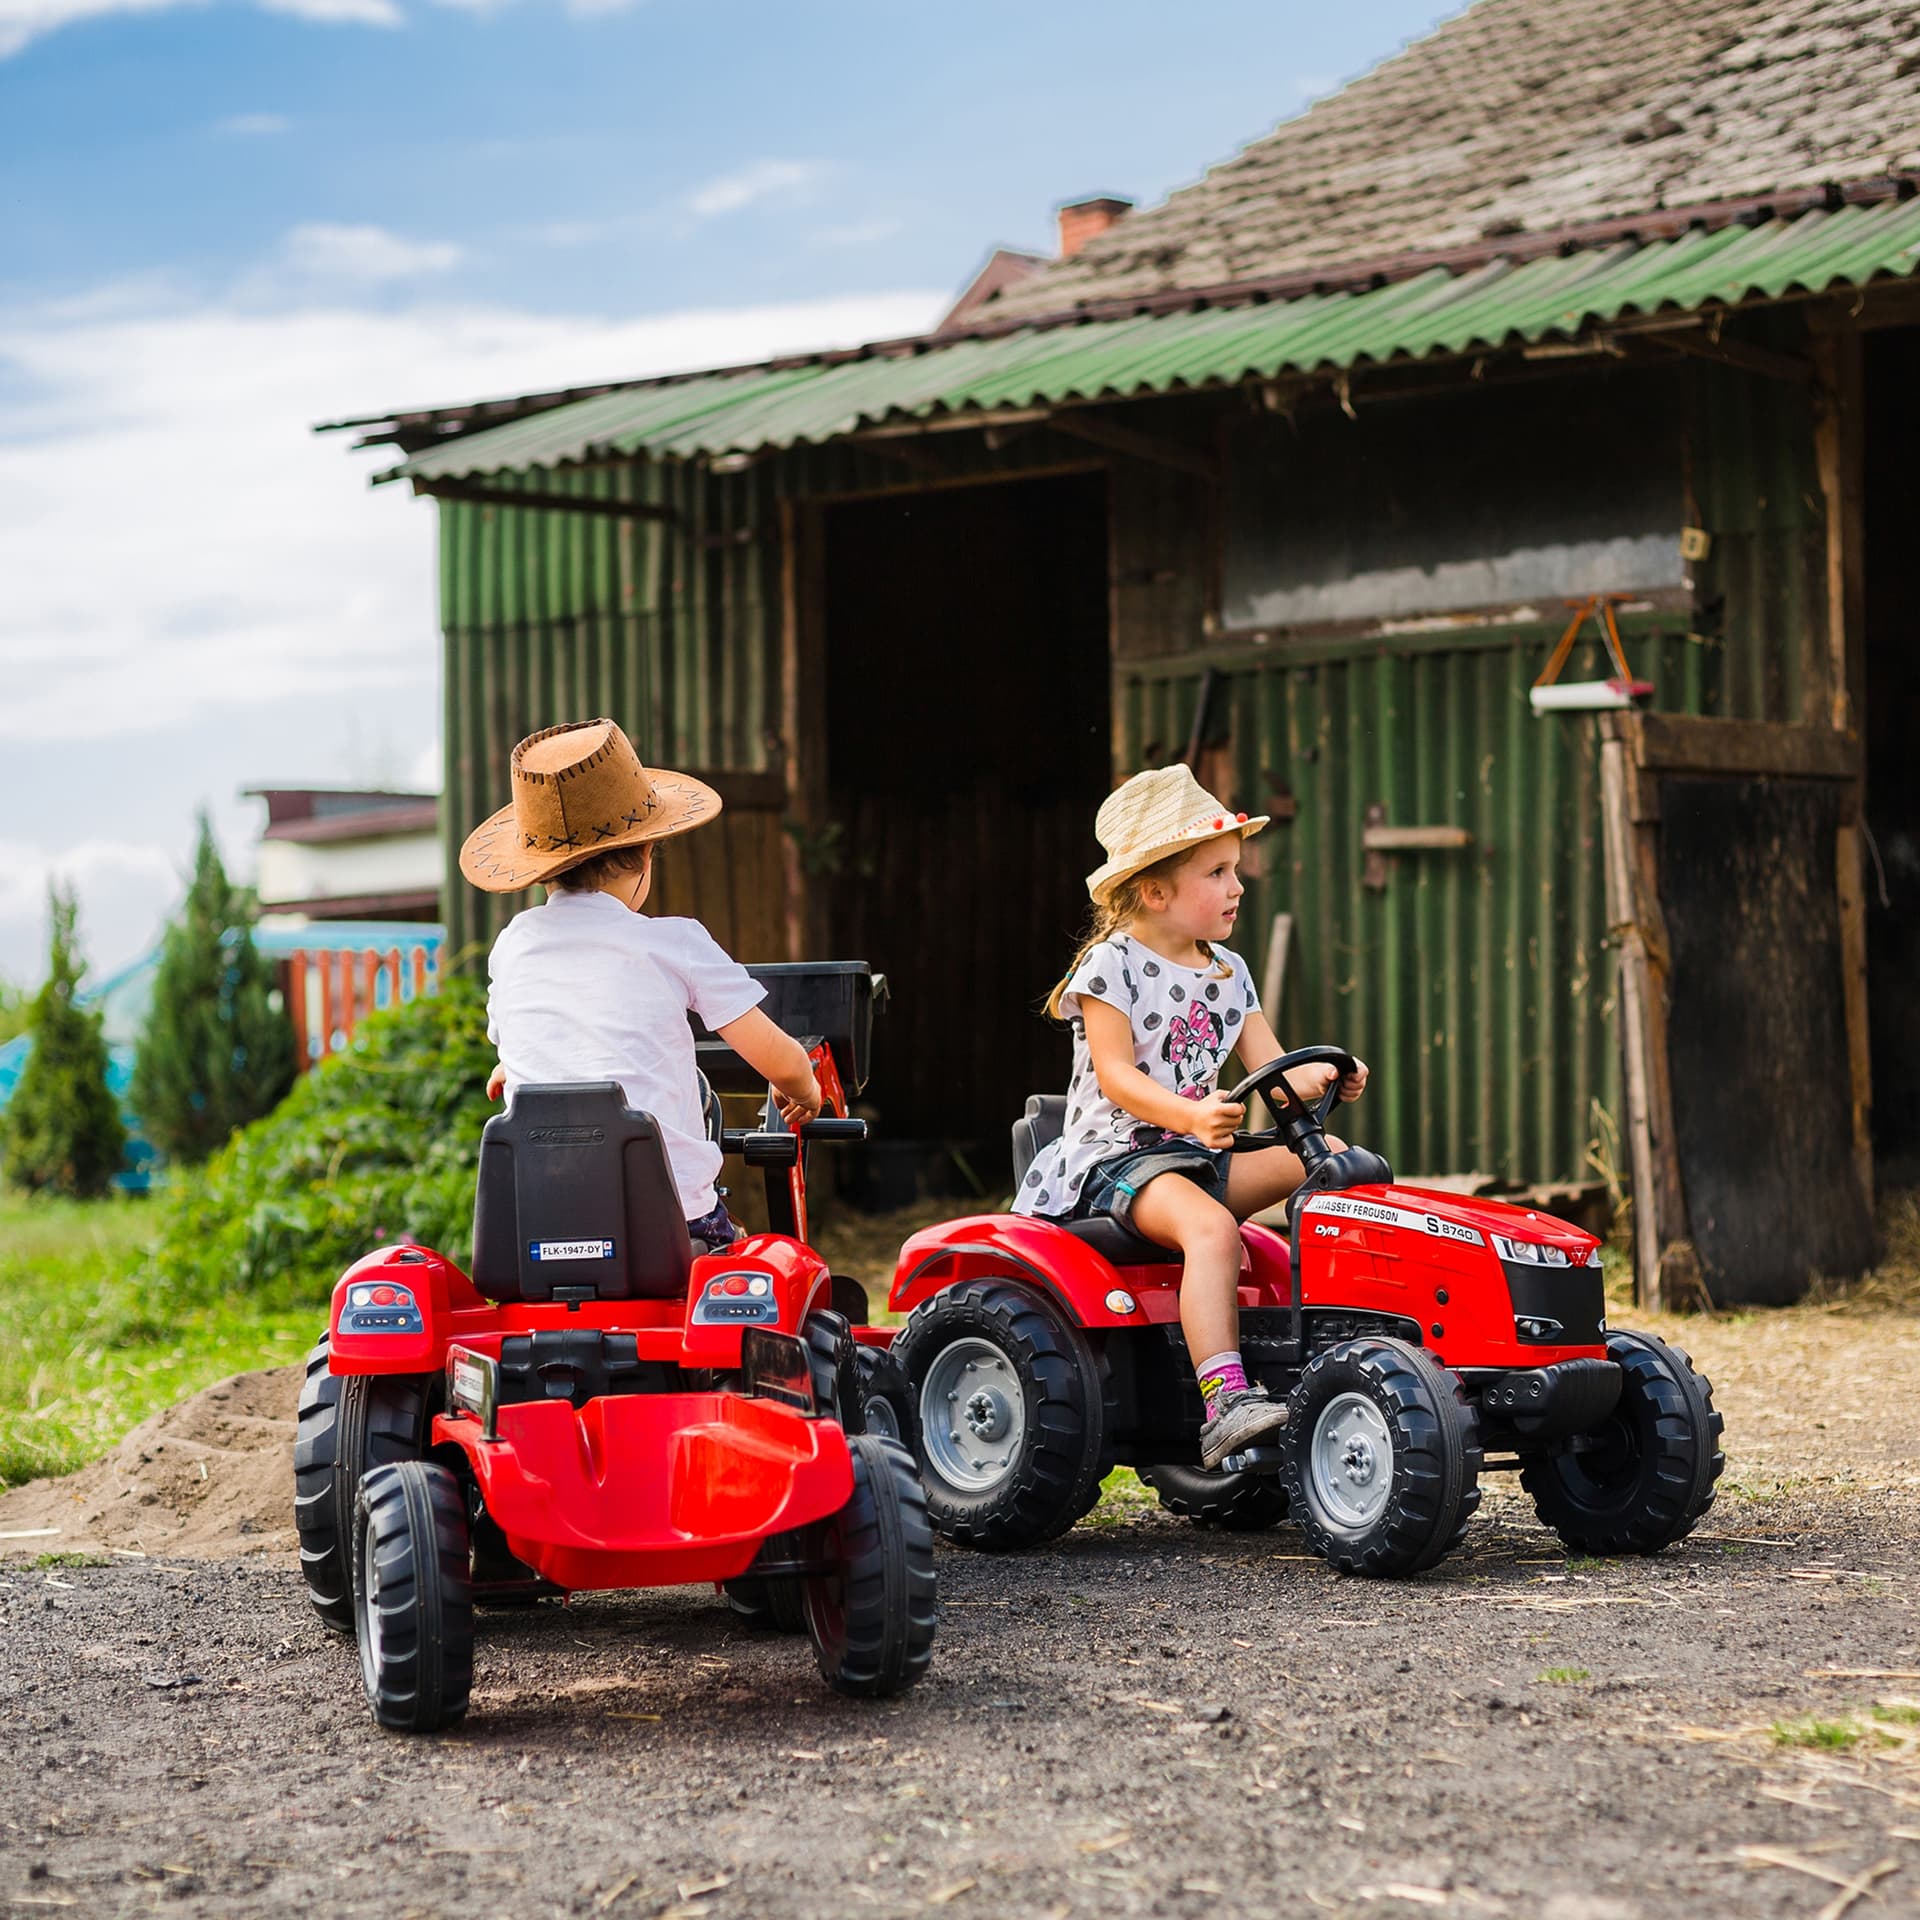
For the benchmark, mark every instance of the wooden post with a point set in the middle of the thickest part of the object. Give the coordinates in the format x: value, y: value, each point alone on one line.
x: 1838, y: 428
x: 1631, y: 951
x: 1273, y: 976
x: 323, y: 971
x: 803, y: 717
x: 297, y: 1007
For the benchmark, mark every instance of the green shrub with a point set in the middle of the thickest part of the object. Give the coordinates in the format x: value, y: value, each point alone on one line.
x: 61, y: 1131
x: 376, y: 1143
x: 217, y: 1050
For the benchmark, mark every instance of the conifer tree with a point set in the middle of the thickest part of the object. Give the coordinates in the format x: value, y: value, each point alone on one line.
x: 216, y: 1051
x: 61, y: 1131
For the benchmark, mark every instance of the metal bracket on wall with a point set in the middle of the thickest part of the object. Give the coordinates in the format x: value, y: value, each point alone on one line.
x: 1379, y: 840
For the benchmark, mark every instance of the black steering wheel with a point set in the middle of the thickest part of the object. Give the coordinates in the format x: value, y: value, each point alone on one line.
x: 1297, y: 1124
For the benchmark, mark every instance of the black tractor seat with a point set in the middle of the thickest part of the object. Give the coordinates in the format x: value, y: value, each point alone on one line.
x: 1042, y: 1124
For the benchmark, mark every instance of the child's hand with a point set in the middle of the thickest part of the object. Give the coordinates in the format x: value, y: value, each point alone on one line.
x: 496, y: 1083
x: 1215, y: 1120
x: 1310, y: 1083
x: 1355, y: 1083
x: 797, y: 1112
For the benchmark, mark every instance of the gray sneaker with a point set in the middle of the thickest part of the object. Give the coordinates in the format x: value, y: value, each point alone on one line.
x: 1239, y: 1420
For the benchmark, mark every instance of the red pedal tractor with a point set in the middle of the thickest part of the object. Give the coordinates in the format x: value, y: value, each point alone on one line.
x: 602, y: 1404
x: 1418, y: 1338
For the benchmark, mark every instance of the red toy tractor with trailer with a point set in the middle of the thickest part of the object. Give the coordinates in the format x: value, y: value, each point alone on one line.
x: 1418, y: 1339
x: 602, y: 1404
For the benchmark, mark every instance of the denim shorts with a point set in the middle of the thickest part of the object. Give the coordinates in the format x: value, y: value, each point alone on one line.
x: 1112, y: 1186
x: 718, y: 1228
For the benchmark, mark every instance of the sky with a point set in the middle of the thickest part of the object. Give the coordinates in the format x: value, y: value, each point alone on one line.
x: 221, y: 223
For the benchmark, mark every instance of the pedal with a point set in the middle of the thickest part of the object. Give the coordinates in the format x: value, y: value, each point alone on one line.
x: 1255, y: 1460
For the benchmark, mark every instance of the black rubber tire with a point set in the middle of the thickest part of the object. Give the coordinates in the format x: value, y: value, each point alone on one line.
x: 833, y: 1363
x: 1435, y: 1465
x: 1653, y: 1478
x: 872, y: 1620
x: 323, y: 1555
x: 1240, y: 1502
x: 413, y: 1605
x: 346, y: 1426
x: 850, y: 1300
x: 1057, y: 1477
x: 888, y: 1404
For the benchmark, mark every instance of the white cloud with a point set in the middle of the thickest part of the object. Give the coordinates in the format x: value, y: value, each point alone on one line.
x: 246, y: 125
x: 22, y: 21
x: 365, y: 256
x: 190, y: 571
x: 764, y: 180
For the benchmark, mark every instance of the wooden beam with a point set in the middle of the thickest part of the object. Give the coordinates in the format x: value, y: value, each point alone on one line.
x: 1415, y: 839
x: 1687, y: 743
x: 1765, y: 361
x: 1839, y: 454
x: 1135, y: 444
x: 474, y: 494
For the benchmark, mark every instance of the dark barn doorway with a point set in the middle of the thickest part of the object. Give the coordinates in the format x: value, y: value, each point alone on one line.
x: 1892, y: 647
x: 967, y: 695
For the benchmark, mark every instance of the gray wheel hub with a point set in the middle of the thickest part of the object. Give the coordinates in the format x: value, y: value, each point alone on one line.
x: 1350, y: 1463
x: 973, y: 1414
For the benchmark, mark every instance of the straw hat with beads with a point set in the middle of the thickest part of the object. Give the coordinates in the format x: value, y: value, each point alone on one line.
x: 579, y: 790
x: 1156, y: 813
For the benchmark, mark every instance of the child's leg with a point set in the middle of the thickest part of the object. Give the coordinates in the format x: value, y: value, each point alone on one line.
x: 1172, y: 1212
x: 1257, y: 1180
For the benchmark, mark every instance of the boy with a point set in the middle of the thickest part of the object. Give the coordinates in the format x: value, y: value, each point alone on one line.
x: 587, y: 987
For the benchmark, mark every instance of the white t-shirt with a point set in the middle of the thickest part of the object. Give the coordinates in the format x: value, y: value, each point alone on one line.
x: 1186, y: 1021
x: 583, y: 989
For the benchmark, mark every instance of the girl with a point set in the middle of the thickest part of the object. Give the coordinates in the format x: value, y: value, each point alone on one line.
x: 1156, y: 1004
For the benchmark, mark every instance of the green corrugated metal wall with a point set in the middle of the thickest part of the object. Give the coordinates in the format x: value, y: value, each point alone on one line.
x: 1477, y: 983
x: 672, y: 629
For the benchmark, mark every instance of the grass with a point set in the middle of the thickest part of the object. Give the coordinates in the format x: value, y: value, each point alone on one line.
x: 85, y: 1350
x: 1565, y: 1676
x: 1828, y: 1736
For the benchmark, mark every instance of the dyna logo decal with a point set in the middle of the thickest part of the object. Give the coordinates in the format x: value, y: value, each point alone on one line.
x: 1374, y: 1213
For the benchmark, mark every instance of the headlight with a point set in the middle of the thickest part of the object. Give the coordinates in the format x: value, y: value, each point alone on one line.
x: 1531, y: 1253
x: 1593, y: 1259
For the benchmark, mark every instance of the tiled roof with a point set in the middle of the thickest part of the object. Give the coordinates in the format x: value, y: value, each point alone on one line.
x: 1529, y: 117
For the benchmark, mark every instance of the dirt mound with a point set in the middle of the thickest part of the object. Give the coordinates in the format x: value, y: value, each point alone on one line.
x: 209, y: 1478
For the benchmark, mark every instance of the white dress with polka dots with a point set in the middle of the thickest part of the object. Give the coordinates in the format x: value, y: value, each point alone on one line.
x: 1186, y: 1020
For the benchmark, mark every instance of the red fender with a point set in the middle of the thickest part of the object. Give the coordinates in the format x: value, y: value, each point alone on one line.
x: 433, y: 1289
x: 1089, y: 1287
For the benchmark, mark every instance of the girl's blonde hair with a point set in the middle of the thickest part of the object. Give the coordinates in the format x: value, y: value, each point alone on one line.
x: 1118, y: 911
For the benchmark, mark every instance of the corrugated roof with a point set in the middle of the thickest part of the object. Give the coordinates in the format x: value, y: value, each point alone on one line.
x: 1433, y: 313
x: 1529, y: 117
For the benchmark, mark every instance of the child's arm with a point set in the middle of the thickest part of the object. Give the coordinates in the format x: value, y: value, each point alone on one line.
x: 1110, y: 1045
x: 781, y: 1058
x: 1257, y: 1046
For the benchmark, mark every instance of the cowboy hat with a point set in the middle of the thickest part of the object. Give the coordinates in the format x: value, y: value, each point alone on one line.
x: 578, y: 790
x: 1162, y: 811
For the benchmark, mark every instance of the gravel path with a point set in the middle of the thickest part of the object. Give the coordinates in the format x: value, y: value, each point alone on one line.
x: 1146, y: 1719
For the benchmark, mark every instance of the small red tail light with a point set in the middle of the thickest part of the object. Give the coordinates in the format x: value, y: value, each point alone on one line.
x: 383, y: 1296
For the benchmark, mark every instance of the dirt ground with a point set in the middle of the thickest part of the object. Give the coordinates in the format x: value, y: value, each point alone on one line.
x: 1144, y: 1719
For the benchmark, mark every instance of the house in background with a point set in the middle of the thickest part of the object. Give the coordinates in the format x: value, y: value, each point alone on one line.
x: 1292, y: 476
x: 348, y: 853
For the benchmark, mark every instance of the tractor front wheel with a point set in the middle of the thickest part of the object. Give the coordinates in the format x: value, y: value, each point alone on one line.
x: 1642, y: 1479
x: 347, y: 1425
x: 1383, y: 1460
x: 871, y: 1616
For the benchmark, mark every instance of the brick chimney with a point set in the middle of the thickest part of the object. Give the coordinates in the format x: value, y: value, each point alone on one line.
x: 1084, y: 220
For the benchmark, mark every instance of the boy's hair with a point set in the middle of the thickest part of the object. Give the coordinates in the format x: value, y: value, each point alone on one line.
x: 1117, y: 912
x: 603, y: 867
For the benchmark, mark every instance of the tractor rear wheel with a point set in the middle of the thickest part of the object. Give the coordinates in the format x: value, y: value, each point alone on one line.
x: 413, y: 1604
x: 888, y: 1405
x: 833, y: 1363
x: 1646, y: 1475
x: 348, y: 1425
x: 1012, y: 1414
x: 872, y: 1617
x: 1383, y: 1458
x: 1240, y: 1502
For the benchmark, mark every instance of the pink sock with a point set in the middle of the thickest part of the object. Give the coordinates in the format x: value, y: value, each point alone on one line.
x: 1222, y: 1374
